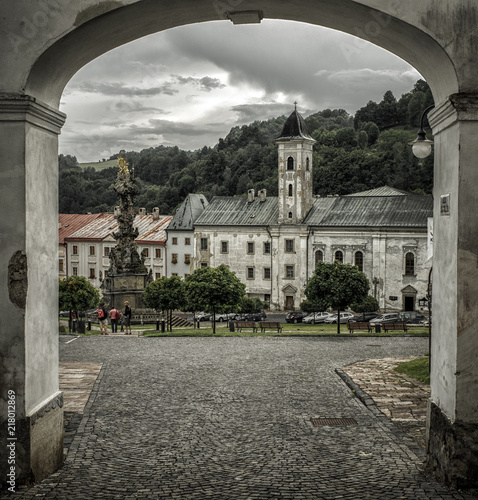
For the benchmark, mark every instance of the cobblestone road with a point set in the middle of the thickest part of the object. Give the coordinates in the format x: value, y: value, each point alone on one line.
x: 229, y: 418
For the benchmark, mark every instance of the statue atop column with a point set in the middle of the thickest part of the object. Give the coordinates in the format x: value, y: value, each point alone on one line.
x: 124, y: 258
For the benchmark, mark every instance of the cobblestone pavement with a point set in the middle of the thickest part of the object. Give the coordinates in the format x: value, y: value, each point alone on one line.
x: 229, y: 418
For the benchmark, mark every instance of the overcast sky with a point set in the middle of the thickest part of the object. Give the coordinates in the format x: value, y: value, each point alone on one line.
x: 189, y: 85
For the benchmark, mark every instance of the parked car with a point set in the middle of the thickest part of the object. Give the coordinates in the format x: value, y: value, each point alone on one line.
x: 295, y: 317
x: 344, y: 318
x: 318, y: 317
x: 226, y: 317
x: 365, y: 316
x: 385, y: 318
x: 202, y: 316
x: 412, y: 317
x: 260, y: 316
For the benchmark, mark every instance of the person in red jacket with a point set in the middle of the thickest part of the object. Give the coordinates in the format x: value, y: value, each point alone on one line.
x: 103, y: 319
x: 114, y: 314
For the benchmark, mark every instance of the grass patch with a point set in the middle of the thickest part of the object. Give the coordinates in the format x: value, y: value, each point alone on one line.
x: 288, y: 330
x: 417, y: 368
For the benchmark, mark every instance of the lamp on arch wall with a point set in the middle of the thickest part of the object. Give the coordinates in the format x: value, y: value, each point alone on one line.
x: 421, y: 146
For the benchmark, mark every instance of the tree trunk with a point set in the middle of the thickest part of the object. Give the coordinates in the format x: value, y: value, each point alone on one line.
x: 214, y: 321
x: 338, y: 321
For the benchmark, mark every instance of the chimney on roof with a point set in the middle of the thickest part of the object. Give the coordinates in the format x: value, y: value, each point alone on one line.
x: 262, y: 195
x: 155, y: 213
x: 250, y: 196
x: 117, y: 211
x: 142, y: 211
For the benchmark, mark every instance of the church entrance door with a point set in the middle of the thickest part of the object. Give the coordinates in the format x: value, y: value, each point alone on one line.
x: 289, y: 302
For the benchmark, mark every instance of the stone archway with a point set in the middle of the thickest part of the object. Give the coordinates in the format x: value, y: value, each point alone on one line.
x: 44, y: 44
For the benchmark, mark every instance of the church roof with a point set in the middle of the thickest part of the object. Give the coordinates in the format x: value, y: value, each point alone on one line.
x: 294, y: 128
x: 382, y: 191
x: 191, y: 208
x: 237, y: 211
x: 372, y: 211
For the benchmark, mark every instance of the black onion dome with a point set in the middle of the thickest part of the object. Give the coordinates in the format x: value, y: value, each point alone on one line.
x: 295, y: 128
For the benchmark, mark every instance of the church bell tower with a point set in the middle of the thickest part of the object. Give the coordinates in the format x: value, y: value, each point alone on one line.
x: 295, y: 170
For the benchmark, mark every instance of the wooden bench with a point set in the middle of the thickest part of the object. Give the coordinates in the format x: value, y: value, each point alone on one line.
x: 240, y: 325
x: 359, y: 325
x: 395, y: 326
x: 274, y: 325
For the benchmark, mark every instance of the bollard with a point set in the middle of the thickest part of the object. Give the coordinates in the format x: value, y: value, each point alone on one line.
x: 231, y: 326
x: 163, y: 326
x: 157, y: 324
x: 89, y: 325
x: 378, y: 328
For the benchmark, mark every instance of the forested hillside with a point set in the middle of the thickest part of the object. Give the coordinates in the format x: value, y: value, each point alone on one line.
x: 352, y: 153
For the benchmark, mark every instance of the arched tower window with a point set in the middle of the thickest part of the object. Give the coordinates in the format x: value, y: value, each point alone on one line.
x: 307, y: 164
x: 290, y: 163
x: 409, y: 263
x: 339, y: 255
x: 319, y: 256
x: 290, y: 215
x: 290, y: 189
x: 359, y: 260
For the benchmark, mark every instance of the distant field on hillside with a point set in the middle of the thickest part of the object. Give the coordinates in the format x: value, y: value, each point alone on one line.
x: 100, y: 165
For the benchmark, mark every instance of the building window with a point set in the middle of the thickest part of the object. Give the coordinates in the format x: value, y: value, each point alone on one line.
x: 307, y: 164
x: 319, y: 256
x: 339, y: 255
x: 290, y: 189
x: 187, y: 241
x: 158, y: 275
x: 203, y: 264
x: 289, y: 272
x: 290, y: 215
x: 409, y: 263
x: 145, y: 252
x: 92, y: 273
x: 289, y: 246
x: 267, y: 247
x: 359, y: 260
x: 174, y: 274
x: 158, y: 253
x: 187, y: 258
x: 75, y: 250
x: 224, y: 246
x: 267, y: 273
x: 203, y: 243
x: 107, y: 251
x: 75, y: 271
x: 174, y: 258
x: 61, y: 268
x: 250, y: 247
x: 106, y: 273
x: 175, y: 241
x: 290, y: 163
x: 250, y: 273
x: 92, y: 250
x: 267, y: 298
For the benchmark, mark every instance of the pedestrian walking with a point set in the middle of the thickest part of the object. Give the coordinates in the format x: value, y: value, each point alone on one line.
x: 114, y: 320
x: 127, y: 317
x: 103, y: 319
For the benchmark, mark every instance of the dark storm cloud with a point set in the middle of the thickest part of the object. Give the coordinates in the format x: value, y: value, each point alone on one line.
x: 131, y: 106
x: 205, y: 83
x: 247, y: 113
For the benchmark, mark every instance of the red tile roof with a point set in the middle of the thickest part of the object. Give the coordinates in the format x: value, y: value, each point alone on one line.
x: 70, y: 223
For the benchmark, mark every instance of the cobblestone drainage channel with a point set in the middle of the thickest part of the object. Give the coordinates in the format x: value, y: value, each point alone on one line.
x: 319, y: 422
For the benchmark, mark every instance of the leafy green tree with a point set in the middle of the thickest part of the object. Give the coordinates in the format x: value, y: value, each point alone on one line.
x: 214, y: 290
x: 251, y: 305
x: 369, y: 304
x: 165, y: 294
x: 77, y: 294
x: 336, y: 285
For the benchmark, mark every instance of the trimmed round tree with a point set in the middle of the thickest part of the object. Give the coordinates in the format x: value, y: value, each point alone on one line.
x: 214, y: 290
x: 165, y: 294
x: 336, y: 285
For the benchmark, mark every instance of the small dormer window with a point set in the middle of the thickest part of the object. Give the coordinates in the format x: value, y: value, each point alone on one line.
x: 290, y: 189
x: 290, y: 163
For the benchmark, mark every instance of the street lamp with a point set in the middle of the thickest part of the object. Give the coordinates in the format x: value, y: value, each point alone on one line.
x: 421, y: 146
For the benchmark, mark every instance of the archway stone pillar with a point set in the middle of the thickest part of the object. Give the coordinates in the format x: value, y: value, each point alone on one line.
x: 31, y: 418
x: 453, y: 408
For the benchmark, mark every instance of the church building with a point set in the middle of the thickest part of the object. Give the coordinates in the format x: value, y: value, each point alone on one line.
x: 274, y: 243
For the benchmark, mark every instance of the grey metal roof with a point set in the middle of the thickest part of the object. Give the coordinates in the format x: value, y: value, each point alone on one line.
x: 381, y: 191
x: 372, y: 211
x: 236, y: 211
x: 191, y: 208
x: 294, y: 128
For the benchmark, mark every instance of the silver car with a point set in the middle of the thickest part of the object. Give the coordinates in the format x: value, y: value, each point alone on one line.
x: 385, y: 318
x: 318, y: 317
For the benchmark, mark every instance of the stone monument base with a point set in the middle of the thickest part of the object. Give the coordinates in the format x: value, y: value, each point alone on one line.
x: 125, y: 287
